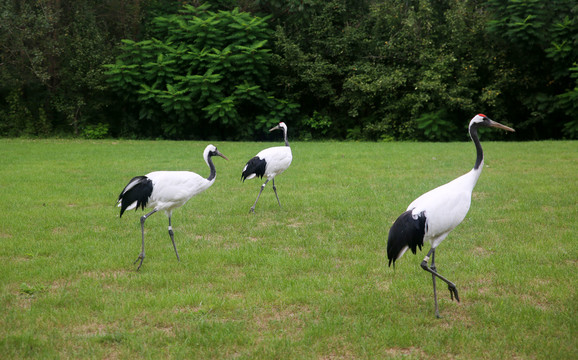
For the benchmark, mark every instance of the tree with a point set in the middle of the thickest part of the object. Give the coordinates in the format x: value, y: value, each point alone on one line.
x: 200, y: 68
x: 541, y: 42
x: 51, y: 55
x: 388, y: 70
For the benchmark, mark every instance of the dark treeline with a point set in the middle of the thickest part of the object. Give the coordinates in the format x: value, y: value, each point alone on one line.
x: 331, y: 69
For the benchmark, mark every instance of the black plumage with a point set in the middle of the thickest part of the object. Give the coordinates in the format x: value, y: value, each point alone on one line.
x: 138, y: 189
x: 405, y: 232
x: 254, y: 166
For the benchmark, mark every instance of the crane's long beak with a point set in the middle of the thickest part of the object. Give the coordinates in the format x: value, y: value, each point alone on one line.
x: 221, y: 155
x: 500, y: 126
x: 275, y: 128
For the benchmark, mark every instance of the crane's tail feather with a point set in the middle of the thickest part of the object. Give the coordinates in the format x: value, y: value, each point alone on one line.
x: 136, y: 193
x: 255, y: 167
x: 406, y: 232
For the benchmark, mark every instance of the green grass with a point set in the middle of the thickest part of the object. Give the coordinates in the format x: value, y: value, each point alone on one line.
x: 308, y: 281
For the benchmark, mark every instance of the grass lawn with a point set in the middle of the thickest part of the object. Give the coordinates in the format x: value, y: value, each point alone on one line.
x: 307, y: 281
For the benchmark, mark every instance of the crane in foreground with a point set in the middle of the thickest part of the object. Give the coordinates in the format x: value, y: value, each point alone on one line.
x: 269, y: 163
x: 432, y: 216
x: 166, y: 190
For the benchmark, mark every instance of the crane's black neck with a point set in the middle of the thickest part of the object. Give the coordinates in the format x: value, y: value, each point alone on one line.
x: 479, y: 151
x: 285, y: 136
x: 212, y: 167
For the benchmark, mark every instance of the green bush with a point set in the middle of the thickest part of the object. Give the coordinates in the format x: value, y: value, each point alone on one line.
x: 202, y: 74
x: 95, y: 132
x: 436, y: 126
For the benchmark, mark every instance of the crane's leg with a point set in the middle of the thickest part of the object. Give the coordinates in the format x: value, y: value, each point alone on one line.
x: 451, y: 286
x: 172, y: 235
x: 262, y: 187
x: 433, y: 267
x: 142, y: 252
x: 275, y: 190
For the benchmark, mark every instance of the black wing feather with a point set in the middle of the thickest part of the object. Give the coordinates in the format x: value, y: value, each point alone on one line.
x: 254, y: 166
x: 140, y: 192
x: 405, y: 231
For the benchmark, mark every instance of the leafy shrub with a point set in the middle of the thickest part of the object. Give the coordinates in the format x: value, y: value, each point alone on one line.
x: 317, y: 125
x: 436, y: 126
x: 203, y: 74
x: 95, y: 132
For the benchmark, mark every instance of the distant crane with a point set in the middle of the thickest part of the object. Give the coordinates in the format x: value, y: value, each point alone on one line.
x: 165, y: 190
x: 269, y: 163
x: 434, y: 214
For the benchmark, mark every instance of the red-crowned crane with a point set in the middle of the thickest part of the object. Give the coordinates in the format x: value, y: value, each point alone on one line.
x: 269, y: 163
x: 432, y: 216
x: 166, y: 190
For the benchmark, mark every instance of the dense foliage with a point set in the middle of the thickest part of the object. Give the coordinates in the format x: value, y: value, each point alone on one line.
x: 541, y: 44
x: 341, y: 69
x: 202, y: 74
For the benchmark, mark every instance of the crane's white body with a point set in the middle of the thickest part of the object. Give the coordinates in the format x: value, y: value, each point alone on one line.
x: 172, y: 189
x: 445, y: 207
x: 278, y: 159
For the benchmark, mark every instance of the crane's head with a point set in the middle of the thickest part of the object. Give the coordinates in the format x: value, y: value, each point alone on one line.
x: 483, y: 120
x: 281, y: 126
x: 211, y: 150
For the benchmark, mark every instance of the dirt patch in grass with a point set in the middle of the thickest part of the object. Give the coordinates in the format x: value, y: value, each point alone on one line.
x: 17, y: 258
x: 24, y: 302
x: 484, y: 285
x: 481, y: 252
x: 60, y: 230
x: 548, y: 209
x: 269, y: 223
x: 478, y: 195
x: 188, y: 309
x: 293, y: 318
x: 412, y: 352
x: 59, y: 284
x: 293, y: 223
x: 384, y: 285
x: 111, y: 274
x: 339, y: 350
x: 91, y: 329
x: 166, y: 329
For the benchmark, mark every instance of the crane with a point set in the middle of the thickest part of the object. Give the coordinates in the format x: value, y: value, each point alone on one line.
x: 433, y: 215
x: 166, y: 190
x: 269, y: 162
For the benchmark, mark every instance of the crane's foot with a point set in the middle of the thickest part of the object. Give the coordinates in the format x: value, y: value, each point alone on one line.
x: 424, y: 265
x: 453, y: 292
x: 141, y: 258
x: 252, y: 210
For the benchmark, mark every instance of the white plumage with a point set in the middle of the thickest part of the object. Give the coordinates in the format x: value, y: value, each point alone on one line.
x: 277, y: 159
x: 175, y: 188
x: 445, y: 207
x: 166, y: 191
x: 269, y: 162
x: 433, y: 215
